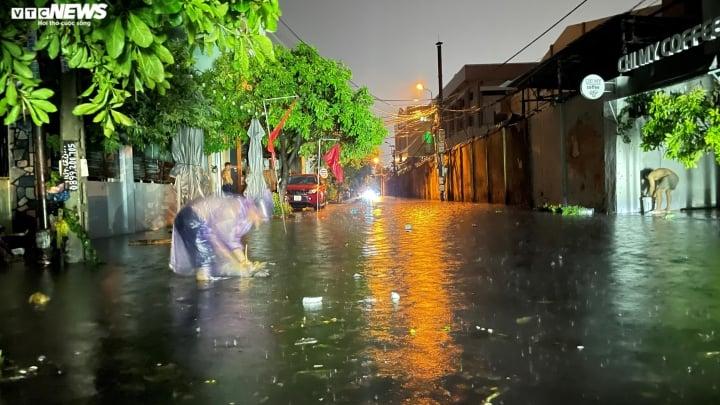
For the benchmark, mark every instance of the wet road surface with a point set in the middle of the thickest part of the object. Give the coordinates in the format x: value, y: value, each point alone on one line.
x: 470, y: 303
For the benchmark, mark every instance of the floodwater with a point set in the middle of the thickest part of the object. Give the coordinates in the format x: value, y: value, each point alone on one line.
x: 422, y: 303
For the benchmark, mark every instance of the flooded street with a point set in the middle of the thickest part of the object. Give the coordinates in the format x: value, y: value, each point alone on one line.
x: 422, y: 303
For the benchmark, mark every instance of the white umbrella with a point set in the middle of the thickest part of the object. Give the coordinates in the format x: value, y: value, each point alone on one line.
x: 256, y: 187
x: 190, y: 170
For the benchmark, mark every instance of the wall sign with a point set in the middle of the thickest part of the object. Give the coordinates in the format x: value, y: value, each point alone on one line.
x: 592, y: 87
x: 678, y: 43
x: 69, y: 165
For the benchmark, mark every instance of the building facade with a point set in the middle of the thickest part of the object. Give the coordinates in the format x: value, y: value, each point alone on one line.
x: 469, y: 105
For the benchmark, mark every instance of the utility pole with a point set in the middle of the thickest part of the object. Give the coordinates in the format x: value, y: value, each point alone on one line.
x: 42, y: 235
x: 441, y: 133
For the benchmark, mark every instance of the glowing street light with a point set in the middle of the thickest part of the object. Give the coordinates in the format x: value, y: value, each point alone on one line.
x: 420, y: 87
x: 376, y: 160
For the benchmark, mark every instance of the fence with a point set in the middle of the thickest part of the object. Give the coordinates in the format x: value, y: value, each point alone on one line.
x: 492, y: 169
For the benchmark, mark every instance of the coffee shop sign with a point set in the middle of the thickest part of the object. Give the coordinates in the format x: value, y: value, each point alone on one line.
x: 678, y: 43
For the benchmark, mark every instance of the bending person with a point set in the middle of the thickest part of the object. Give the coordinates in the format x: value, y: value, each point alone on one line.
x: 207, y: 237
x: 662, y: 181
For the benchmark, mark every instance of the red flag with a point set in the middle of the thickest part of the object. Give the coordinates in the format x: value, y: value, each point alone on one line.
x: 276, y: 132
x: 332, y: 158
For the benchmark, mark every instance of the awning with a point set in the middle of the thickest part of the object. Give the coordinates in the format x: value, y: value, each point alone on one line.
x: 598, y: 51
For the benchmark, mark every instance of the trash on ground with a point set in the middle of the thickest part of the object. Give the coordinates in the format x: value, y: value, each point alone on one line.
x: 523, y: 320
x: 306, y: 341
x: 18, y: 251
x: 709, y: 355
x: 395, y: 297
x: 408, y: 227
x: 357, y: 276
x: 312, y: 303
x: 488, y: 400
x: 38, y: 299
x: 580, y: 347
x: 149, y: 242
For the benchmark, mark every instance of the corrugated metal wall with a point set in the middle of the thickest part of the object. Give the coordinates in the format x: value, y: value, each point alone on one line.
x: 478, y: 171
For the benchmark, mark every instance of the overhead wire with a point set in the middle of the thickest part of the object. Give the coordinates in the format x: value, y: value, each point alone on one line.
x: 476, y: 109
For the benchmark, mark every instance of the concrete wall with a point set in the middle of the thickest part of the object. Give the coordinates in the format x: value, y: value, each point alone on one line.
x: 567, y: 148
x: 124, y: 207
x: 478, y: 172
x: 152, y: 206
x: 698, y: 187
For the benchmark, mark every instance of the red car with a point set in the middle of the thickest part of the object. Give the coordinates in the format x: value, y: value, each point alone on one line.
x: 304, y: 190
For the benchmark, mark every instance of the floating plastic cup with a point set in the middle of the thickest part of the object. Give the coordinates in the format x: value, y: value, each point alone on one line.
x: 312, y: 303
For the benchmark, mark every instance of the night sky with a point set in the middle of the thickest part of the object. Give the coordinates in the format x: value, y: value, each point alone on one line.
x: 390, y: 44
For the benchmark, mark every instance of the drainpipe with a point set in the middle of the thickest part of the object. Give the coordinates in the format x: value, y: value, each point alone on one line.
x: 505, y: 165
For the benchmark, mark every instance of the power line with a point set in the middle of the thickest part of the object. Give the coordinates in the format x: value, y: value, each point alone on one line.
x: 545, y: 32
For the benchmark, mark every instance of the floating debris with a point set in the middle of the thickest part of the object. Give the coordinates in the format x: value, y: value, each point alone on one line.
x: 306, y: 341
x: 523, y: 320
x: 38, y: 299
x: 17, y: 251
x: 488, y: 400
x: 710, y: 355
x: 580, y: 347
x: 312, y: 303
x: 312, y: 300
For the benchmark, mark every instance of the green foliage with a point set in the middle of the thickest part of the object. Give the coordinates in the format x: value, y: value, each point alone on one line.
x: 157, y: 118
x: 635, y: 107
x: 125, y: 53
x: 572, y: 210
x: 326, y: 104
x: 686, y: 125
x: 278, y: 209
x: 332, y: 192
x: 564, y: 210
x: 70, y: 217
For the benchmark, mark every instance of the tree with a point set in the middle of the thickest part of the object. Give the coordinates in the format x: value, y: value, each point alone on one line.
x: 326, y: 105
x: 157, y: 118
x: 125, y: 53
x: 686, y: 125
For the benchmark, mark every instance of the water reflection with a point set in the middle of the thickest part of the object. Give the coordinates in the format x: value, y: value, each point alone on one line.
x: 411, y: 338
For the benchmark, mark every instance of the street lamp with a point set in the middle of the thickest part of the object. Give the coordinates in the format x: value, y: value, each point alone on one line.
x: 420, y: 87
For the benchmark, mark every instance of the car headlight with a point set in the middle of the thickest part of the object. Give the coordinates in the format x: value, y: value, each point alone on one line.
x: 312, y: 191
x: 370, y: 195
